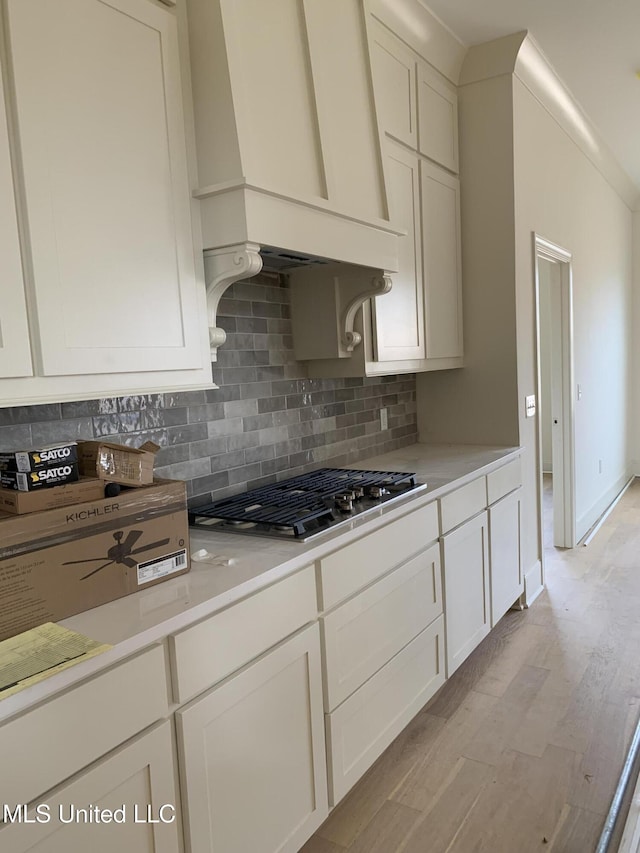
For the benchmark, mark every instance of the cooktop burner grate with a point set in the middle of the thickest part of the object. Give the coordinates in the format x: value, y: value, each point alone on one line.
x: 302, y: 506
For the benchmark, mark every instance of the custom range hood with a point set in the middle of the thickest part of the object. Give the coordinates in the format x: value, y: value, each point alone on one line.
x: 289, y: 150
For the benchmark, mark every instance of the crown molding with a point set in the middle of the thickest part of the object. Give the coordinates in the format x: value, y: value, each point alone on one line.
x: 520, y: 56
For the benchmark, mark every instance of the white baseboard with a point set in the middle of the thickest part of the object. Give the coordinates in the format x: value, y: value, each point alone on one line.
x: 589, y: 518
x: 533, y: 585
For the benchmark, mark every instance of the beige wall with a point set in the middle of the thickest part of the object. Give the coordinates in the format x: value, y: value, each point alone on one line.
x: 564, y: 198
x: 522, y: 173
x: 478, y: 405
x: 634, y: 437
x: 544, y: 407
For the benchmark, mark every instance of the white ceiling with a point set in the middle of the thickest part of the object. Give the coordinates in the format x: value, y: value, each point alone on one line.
x: 594, y: 46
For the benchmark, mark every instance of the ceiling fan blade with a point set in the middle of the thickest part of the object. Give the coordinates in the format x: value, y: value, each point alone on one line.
x: 132, y: 538
x: 99, y: 569
x: 150, y: 546
x: 89, y: 560
x: 128, y: 562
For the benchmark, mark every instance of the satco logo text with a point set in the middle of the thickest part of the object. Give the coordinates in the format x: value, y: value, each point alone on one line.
x: 53, y: 455
x: 94, y: 512
x: 53, y: 473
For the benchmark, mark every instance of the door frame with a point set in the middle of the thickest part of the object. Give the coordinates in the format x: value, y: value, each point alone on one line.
x: 546, y: 250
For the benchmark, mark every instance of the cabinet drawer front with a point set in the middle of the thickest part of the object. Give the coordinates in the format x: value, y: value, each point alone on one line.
x: 504, y: 480
x: 353, y: 567
x: 363, y: 634
x: 363, y: 726
x: 72, y: 730
x: 462, y: 504
x: 210, y: 650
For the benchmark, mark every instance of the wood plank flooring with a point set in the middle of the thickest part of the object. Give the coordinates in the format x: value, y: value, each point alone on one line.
x: 522, y: 748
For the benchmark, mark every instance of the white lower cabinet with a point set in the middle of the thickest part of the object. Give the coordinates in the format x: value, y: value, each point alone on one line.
x: 465, y: 556
x: 135, y: 782
x: 507, y: 583
x: 252, y: 755
x: 360, y: 729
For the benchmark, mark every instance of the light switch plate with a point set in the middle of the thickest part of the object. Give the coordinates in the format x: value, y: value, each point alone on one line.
x: 530, y: 405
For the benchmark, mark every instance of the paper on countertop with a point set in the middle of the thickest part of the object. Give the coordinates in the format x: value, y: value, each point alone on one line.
x: 34, y: 655
x: 216, y: 559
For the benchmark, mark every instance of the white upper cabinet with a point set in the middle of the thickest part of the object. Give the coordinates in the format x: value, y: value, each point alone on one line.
x: 97, y: 85
x: 399, y: 315
x: 442, y: 266
x: 394, y: 75
x: 437, y: 117
x: 15, y: 353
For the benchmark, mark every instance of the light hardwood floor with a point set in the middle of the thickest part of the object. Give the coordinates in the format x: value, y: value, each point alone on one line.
x: 522, y: 748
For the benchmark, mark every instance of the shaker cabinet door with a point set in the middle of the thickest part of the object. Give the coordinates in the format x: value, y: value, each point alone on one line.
x: 100, y: 121
x: 507, y: 583
x: 135, y: 783
x: 253, y: 756
x: 15, y: 352
x: 465, y: 558
x: 441, y: 261
x: 399, y: 315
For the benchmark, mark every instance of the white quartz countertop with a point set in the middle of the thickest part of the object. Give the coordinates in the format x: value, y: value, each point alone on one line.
x: 234, y: 566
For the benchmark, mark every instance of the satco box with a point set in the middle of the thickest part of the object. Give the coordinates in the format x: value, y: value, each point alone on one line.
x: 35, y: 458
x: 129, y: 466
x: 63, y: 561
x: 18, y: 503
x: 43, y: 478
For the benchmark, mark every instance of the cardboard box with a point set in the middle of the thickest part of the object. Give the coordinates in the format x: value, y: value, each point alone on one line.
x: 129, y: 466
x: 63, y: 561
x: 44, y: 478
x: 19, y: 503
x: 35, y: 458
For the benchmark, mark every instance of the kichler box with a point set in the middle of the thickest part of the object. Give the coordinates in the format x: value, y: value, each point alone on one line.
x: 62, y: 561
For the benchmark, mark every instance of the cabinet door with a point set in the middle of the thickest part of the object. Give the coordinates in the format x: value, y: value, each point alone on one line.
x: 15, y: 352
x: 253, y: 757
x: 136, y: 783
x: 101, y: 129
x: 394, y: 78
x: 398, y: 316
x: 504, y: 554
x: 466, y: 589
x: 437, y: 117
x: 442, y: 267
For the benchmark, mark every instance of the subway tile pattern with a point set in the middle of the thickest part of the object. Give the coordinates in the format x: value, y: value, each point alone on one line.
x: 266, y: 421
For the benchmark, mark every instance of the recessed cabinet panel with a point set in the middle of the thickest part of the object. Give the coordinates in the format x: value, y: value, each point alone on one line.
x: 363, y: 726
x: 504, y: 553
x: 15, y: 353
x: 277, y: 122
x: 363, y: 634
x: 394, y: 74
x: 101, y: 129
x: 442, y: 266
x: 466, y: 589
x: 344, y: 96
x: 398, y: 315
x: 437, y: 118
x: 253, y: 757
x: 135, y: 783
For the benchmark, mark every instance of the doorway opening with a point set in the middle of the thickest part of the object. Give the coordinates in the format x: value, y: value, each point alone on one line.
x: 554, y: 333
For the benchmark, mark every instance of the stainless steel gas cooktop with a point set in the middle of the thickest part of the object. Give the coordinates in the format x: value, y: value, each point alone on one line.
x: 304, y: 507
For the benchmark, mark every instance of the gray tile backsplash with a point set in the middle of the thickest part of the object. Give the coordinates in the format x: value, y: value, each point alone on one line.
x: 265, y: 422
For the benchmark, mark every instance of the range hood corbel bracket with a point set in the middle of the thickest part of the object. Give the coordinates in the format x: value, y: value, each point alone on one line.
x: 221, y: 268
x: 376, y: 287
